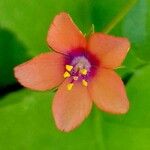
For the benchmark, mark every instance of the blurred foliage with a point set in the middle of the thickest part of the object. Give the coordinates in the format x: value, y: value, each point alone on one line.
x: 26, y: 121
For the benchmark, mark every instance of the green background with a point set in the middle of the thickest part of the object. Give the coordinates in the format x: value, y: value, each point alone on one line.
x: 26, y: 121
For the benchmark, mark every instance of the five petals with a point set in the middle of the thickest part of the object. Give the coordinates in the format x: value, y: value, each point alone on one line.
x: 46, y: 71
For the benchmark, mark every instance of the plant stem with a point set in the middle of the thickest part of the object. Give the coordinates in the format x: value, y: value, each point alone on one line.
x: 119, y: 16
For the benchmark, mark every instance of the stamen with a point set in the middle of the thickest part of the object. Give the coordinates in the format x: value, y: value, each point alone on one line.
x: 83, y: 71
x: 69, y: 86
x: 75, y: 78
x: 84, y: 82
x: 69, y: 67
x: 66, y: 74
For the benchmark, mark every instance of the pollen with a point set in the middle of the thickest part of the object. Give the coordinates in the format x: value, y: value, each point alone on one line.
x: 83, y: 71
x: 66, y: 74
x: 69, y: 86
x: 84, y: 82
x: 75, y: 78
x: 69, y: 67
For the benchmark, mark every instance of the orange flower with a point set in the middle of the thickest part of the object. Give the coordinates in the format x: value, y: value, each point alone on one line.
x: 83, y: 69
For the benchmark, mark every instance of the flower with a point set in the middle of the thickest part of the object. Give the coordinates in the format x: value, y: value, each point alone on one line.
x: 83, y: 70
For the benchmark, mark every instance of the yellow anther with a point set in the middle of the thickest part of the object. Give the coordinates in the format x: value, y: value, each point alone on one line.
x: 69, y: 86
x: 83, y: 71
x: 69, y: 67
x: 75, y: 78
x: 84, y: 82
x: 66, y: 74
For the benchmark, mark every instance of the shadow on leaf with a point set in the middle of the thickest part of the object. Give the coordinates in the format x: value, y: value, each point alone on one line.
x: 12, y: 53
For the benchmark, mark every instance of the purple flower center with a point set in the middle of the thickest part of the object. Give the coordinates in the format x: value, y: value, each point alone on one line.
x: 80, y: 66
x: 81, y: 62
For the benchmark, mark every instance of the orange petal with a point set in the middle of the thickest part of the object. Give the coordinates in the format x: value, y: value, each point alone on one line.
x: 63, y: 34
x: 42, y: 72
x: 70, y: 108
x: 108, y: 92
x: 109, y: 49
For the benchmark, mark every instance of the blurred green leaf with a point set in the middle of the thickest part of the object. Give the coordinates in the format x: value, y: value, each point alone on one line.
x: 26, y: 123
x: 136, y: 27
x: 130, y: 64
x: 138, y: 90
x: 122, y: 137
x: 30, y: 20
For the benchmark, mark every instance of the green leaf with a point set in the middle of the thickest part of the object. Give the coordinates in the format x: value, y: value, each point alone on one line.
x: 26, y: 123
x: 138, y: 90
x: 130, y: 64
x: 30, y: 20
x: 102, y: 12
x: 122, y: 137
x: 136, y: 27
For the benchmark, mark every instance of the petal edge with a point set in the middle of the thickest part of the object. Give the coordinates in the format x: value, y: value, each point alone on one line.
x: 42, y: 72
x: 63, y: 35
x: 110, y: 50
x: 108, y: 92
x: 70, y: 108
